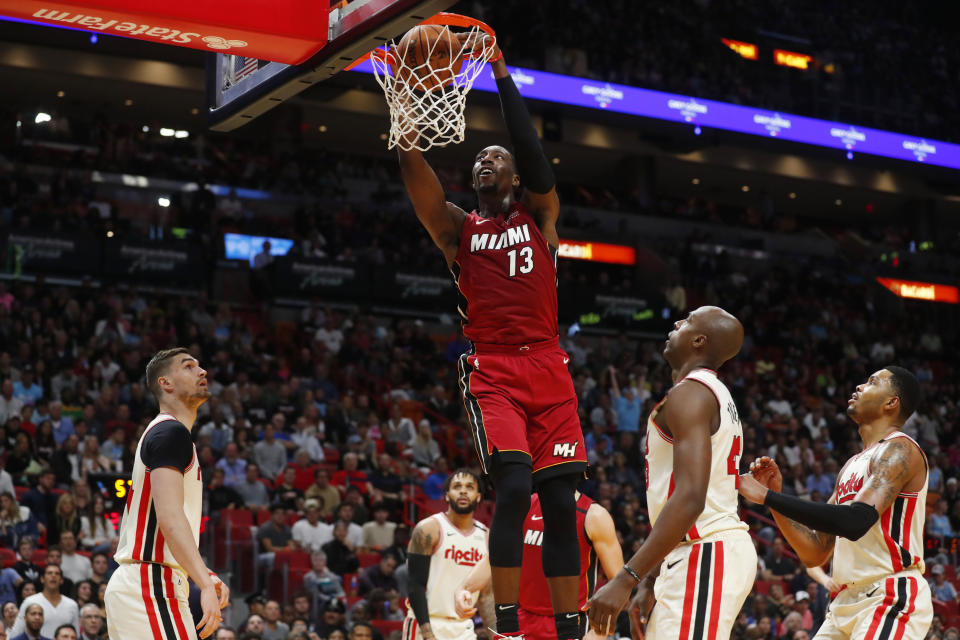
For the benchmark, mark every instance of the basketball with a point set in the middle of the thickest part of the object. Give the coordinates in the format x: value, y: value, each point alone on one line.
x: 427, y: 51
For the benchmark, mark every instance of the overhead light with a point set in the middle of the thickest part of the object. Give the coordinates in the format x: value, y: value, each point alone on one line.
x: 322, y: 128
x: 838, y: 202
x: 163, y: 201
x: 145, y: 129
x: 109, y: 234
x: 383, y: 136
x: 19, y: 123
x: 180, y: 133
x: 792, y: 195
x: 60, y: 93
x: 695, y: 181
x: 93, y: 38
x: 745, y: 188
x: 128, y: 102
x: 697, y: 131
x: 167, y: 132
x: 41, y: 118
x: 194, y: 111
x: 555, y: 160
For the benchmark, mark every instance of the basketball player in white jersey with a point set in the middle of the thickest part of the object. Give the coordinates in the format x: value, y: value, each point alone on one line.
x: 147, y: 596
x: 873, y: 522
x: 706, y: 557
x: 443, y: 550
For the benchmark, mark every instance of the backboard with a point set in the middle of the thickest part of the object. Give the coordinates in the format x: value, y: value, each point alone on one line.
x: 241, y: 88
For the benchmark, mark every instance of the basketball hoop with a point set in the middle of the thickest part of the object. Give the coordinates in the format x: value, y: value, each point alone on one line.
x: 427, y: 99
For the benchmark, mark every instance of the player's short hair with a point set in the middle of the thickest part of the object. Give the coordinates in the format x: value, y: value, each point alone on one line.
x: 907, y: 388
x: 462, y: 471
x: 158, y: 366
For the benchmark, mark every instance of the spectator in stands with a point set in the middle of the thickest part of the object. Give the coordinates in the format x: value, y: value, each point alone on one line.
x: 356, y: 500
x: 101, y: 567
x: 10, y: 405
x: 9, y: 581
x: 254, y: 625
x: 91, y: 624
x: 32, y: 626
x: 55, y: 556
x: 269, y: 454
x: 399, y: 429
x: 378, y: 533
x: 25, y: 590
x: 310, y: 533
x: 65, y: 518
x: 91, y: 460
x: 321, y: 488
x: 96, y: 531
x: 22, y: 461
x: 75, y: 567
x: 379, y: 575
x: 252, y: 491
x: 114, y: 447
x: 304, y: 469
x: 628, y: 405
x: 16, y: 521
x: 220, y: 496
x: 820, y: 481
x: 62, y: 425
x: 341, y: 553
x: 57, y: 609
x: 938, y: 523
x: 27, y: 390
x: 233, y: 465
x: 223, y: 633
x: 433, y: 484
x: 66, y: 461
x: 361, y: 631
x: 219, y: 430
x: 25, y: 565
x: 85, y: 593
x: 345, y: 514
x: 334, y: 620
x: 306, y: 439
x: 9, y: 615
x: 274, y: 534
x: 942, y: 590
x: 321, y: 579
x: 41, y: 500
x: 286, y: 492
x: 779, y: 567
x: 387, y: 482
x: 273, y: 627
x: 351, y: 476
x: 425, y: 449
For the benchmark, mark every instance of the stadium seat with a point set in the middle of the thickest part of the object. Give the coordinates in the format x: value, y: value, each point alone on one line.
x: 7, y: 557
x: 20, y: 491
x: 40, y: 557
x: 350, y: 584
x: 262, y: 516
x: 762, y: 587
x: 386, y: 627
x: 368, y: 559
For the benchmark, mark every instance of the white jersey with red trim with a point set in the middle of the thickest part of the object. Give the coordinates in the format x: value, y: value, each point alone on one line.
x: 720, y: 510
x: 140, y: 537
x: 456, y: 555
x: 891, y: 545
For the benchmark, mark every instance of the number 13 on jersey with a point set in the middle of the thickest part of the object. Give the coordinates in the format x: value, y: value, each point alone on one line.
x: 526, y: 257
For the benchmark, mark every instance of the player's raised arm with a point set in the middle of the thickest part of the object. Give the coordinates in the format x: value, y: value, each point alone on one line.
x: 532, y: 165
x: 690, y: 413
x: 443, y: 220
x: 603, y: 535
x: 423, y: 543
x: 812, y: 547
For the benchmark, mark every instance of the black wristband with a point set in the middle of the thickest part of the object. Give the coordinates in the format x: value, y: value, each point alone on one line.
x: 633, y: 574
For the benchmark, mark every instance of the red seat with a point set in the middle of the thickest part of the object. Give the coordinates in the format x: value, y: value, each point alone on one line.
x: 350, y: 584
x: 331, y: 455
x: 352, y: 601
x: 39, y: 557
x: 262, y: 516
x: 291, y: 558
x: 20, y: 491
x: 7, y: 557
x: 762, y: 587
x: 368, y: 559
x: 85, y: 554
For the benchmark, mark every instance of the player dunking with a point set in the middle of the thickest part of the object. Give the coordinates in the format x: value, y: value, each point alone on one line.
x: 516, y: 386
x: 598, y: 543
x: 147, y: 596
x: 693, y: 446
x: 873, y: 522
x: 443, y: 549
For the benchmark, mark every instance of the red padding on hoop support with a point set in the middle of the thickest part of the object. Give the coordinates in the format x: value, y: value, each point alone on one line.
x: 288, y: 31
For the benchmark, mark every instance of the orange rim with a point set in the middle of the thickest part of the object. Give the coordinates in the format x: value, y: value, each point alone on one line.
x: 443, y: 18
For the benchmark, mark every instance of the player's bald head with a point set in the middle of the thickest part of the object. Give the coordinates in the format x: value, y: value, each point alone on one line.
x: 708, y: 336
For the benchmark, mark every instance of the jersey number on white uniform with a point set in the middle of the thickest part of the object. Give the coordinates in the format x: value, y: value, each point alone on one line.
x: 527, y: 254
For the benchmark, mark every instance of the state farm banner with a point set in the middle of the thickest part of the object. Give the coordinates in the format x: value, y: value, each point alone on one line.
x: 47, y: 252
x: 171, y: 262
x: 295, y: 276
x: 288, y: 31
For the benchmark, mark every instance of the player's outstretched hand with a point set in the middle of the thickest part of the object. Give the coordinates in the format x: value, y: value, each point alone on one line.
x: 463, y: 604
x: 210, y: 605
x: 752, y: 490
x: 639, y: 610
x: 767, y: 473
x: 477, y: 42
x: 607, y: 603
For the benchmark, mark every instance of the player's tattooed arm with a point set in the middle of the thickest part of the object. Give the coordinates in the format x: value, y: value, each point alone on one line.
x: 425, y: 537
x: 897, y: 466
x: 423, y: 543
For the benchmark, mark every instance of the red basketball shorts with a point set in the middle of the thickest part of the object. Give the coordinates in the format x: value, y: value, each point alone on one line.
x: 534, y: 626
x: 521, y: 407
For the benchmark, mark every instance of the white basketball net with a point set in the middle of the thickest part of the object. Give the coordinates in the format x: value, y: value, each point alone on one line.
x: 427, y: 103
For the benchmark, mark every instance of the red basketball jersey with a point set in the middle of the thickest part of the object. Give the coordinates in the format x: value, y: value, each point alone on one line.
x: 507, y: 277
x: 535, y: 595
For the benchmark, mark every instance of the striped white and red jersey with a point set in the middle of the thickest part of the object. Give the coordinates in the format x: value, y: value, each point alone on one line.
x: 720, y: 510
x: 165, y: 442
x: 891, y: 545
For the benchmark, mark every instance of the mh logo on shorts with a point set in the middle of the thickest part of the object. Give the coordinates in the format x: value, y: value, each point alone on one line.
x: 565, y: 449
